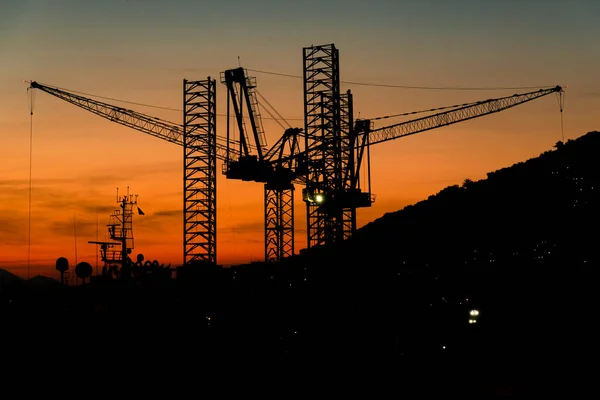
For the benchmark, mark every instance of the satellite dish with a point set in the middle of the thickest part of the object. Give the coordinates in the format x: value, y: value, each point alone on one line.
x: 83, y: 270
x: 62, y: 265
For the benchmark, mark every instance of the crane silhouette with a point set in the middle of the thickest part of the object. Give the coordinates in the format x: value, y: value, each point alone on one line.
x: 325, y: 156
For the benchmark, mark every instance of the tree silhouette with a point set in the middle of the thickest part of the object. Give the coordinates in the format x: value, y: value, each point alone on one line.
x: 467, y: 183
x: 83, y: 270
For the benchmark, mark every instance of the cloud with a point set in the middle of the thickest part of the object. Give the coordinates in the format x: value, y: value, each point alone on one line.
x: 162, y: 221
x: 108, y: 176
x: 13, y: 229
x: 247, y: 227
x: 81, y: 228
x: 91, y: 209
x: 137, y: 171
x: 168, y: 213
x: 59, y: 194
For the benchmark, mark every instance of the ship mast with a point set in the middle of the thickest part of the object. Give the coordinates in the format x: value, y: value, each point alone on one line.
x: 120, y: 231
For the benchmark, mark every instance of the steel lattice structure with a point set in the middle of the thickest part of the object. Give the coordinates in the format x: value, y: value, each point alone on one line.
x: 323, y: 142
x: 200, y: 171
x: 279, y: 223
x: 348, y: 210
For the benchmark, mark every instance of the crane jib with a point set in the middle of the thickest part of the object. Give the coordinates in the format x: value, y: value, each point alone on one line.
x: 445, y: 118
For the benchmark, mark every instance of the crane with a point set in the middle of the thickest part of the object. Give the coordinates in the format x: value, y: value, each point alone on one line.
x: 201, y: 148
x: 336, y: 146
x: 335, y: 149
x: 330, y: 203
x: 278, y: 167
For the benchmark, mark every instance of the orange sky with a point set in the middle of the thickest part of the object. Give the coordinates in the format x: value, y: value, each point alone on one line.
x: 79, y: 159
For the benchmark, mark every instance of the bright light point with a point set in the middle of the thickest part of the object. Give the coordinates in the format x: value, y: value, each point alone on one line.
x: 472, y: 321
x: 319, y: 198
x: 474, y: 313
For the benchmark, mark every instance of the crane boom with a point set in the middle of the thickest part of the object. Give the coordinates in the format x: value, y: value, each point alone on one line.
x: 162, y: 129
x: 369, y: 137
x: 463, y: 113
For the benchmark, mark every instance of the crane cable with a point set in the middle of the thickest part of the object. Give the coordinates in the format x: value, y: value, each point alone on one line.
x: 561, y: 104
x: 31, y: 101
x: 424, y: 111
x: 412, y: 87
x: 300, y: 119
x: 274, y: 110
x: 271, y: 114
x: 139, y: 104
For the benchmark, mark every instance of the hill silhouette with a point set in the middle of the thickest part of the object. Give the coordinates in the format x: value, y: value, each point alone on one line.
x: 539, y: 209
x: 519, y: 245
x: 41, y: 280
x: 7, y: 278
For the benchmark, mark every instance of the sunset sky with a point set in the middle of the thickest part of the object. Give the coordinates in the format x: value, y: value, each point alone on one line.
x: 141, y: 50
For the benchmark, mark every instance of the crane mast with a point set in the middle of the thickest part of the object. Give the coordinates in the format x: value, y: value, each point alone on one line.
x: 331, y: 201
x: 200, y: 172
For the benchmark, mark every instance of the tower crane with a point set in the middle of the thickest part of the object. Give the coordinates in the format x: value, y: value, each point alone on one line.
x: 278, y: 167
x: 201, y: 148
x: 335, y: 145
x: 335, y: 148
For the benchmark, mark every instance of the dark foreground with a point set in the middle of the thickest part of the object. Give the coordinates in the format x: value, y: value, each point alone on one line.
x: 535, y: 336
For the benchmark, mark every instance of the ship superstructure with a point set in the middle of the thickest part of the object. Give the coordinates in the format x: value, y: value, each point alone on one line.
x: 115, y: 254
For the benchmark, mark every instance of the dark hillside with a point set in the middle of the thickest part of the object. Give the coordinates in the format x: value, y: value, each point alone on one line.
x: 520, y: 245
x: 545, y: 208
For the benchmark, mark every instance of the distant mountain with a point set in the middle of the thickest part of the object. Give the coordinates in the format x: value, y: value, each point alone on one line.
x: 8, y: 277
x: 40, y: 280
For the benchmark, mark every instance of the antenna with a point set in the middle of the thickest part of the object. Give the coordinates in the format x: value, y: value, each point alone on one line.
x: 96, y: 241
x: 75, y: 236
